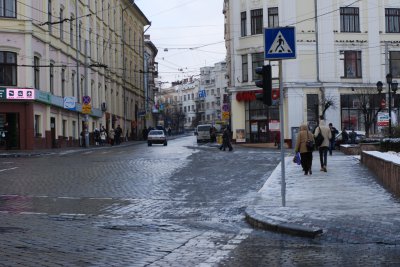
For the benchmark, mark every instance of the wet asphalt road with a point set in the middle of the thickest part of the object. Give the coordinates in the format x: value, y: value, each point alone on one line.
x: 180, y: 205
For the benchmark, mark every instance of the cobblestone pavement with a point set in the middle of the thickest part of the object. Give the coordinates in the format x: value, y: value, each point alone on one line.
x: 180, y: 205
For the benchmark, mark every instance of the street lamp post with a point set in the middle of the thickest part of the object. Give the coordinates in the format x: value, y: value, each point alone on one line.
x: 392, y: 86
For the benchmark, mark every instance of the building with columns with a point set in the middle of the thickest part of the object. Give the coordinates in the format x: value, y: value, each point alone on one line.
x: 70, y: 66
x: 343, y: 49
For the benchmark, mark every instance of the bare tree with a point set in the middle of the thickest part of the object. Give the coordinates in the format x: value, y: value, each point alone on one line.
x: 370, y: 107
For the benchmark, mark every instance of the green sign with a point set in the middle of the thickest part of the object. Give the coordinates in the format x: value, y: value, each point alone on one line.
x: 3, y: 92
x: 43, y: 96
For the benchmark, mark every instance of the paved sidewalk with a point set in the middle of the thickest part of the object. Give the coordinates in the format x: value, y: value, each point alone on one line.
x: 345, y: 204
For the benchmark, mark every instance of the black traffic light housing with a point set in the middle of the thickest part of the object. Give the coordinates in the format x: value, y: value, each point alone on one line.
x: 265, y: 83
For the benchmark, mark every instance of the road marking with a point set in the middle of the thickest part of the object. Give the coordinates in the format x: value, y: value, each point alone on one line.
x: 8, y: 169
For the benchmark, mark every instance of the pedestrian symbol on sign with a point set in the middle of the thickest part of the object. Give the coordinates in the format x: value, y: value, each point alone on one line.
x: 280, y: 45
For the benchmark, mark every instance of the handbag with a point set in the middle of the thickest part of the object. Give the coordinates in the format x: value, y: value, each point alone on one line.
x: 319, y: 138
x: 310, y: 145
x: 297, y: 158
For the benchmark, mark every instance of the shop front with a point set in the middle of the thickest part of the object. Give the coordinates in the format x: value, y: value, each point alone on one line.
x: 33, y: 119
x: 16, y: 113
x: 263, y: 122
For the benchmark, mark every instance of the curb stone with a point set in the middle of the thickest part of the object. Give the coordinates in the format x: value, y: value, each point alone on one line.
x: 270, y: 224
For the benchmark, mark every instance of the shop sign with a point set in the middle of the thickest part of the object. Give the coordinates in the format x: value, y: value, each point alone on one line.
x: 274, y: 125
x: 225, y: 115
x: 86, y: 109
x: 240, y: 136
x: 3, y: 93
x: 70, y: 102
x: 383, y: 119
x: 43, y: 96
x: 20, y: 94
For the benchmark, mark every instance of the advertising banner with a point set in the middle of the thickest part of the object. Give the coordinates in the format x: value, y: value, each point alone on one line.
x: 20, y: 94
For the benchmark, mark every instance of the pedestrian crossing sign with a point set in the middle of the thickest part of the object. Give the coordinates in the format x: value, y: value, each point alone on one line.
x: 279, y: 43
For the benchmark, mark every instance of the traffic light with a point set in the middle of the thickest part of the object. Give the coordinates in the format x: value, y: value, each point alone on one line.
x: 265, y: 83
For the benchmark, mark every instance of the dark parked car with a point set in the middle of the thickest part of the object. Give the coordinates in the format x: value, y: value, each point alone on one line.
x: 156, y: 137
x: 360, y: 135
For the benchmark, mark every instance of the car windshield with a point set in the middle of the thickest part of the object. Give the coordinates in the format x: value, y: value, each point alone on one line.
x: 203, y: 128
x: 156, y: 132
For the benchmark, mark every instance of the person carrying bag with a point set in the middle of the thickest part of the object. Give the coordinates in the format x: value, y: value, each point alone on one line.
x: 305, y: 138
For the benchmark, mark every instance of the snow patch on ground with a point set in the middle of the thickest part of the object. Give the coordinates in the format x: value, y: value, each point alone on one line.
x: 387, y: 156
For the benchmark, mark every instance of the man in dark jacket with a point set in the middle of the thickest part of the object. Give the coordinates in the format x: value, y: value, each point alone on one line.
x: 334, y: 132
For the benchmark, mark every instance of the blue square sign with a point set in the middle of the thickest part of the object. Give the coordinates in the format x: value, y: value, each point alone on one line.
x: 280, y: 43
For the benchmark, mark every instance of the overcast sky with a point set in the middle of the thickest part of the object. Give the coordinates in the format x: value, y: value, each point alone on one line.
x: 191, y: 30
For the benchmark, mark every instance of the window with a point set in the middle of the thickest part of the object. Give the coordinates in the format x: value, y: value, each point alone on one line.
x: 257, y: 61
x: 243, y: 23
x: 80, y: 36
x: 81, y: 88
x: 8, y: 9
x: 64, y: 128
x: 49, y: 15
x: 74, y: 129
x: 61, y: 24
x: 8, y: 68
x: 245, y: 70
x: 394, y: 62
x: 73, y: 83
x: 62, y: 82
x: 36, y: 70
x: 352, y: 64
x: 52, y: 77
x: 273, y: 20
x: 90, y: 43
x: 36, y: 125
x: 312, y: 110
x: 256, y: 21
x: 392, y: 16
x: 71, y: 31
x: 349, y: 19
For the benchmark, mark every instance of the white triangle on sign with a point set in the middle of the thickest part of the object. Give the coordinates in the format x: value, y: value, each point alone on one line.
x: 280, y: 45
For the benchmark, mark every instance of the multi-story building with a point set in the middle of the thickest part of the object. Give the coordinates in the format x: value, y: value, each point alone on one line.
x: 187, y: 93
x: 150, y: 75
x: 343, y: 49
x: 213, y: 86
x: 68, y: 67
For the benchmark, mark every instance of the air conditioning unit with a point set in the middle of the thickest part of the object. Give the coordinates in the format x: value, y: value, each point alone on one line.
x: 103, y: 106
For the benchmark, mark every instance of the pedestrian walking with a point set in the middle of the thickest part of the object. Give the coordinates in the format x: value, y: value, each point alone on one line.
x: 345, y: 136
x: 117, y: 135
x: 144, y: 133
x: 334, y: 132
x: 112, y: 135
x: 352, y: 136
x: 278, y: 139
x: 226, y: 140
x: 323, y: 148
x: 303, y: 136
x: 213, y: 134
x: 103, y: 136
x: 96, y: 136
x: 6, y: 136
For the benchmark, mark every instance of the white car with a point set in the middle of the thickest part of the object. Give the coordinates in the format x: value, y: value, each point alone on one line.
x: 156, y: 137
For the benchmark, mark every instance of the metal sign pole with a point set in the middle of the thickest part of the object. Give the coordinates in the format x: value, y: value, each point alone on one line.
x: 281, y: 118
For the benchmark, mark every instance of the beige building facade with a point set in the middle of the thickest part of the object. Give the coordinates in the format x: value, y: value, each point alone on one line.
x: 343, y: 49
x: 82, y: 64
